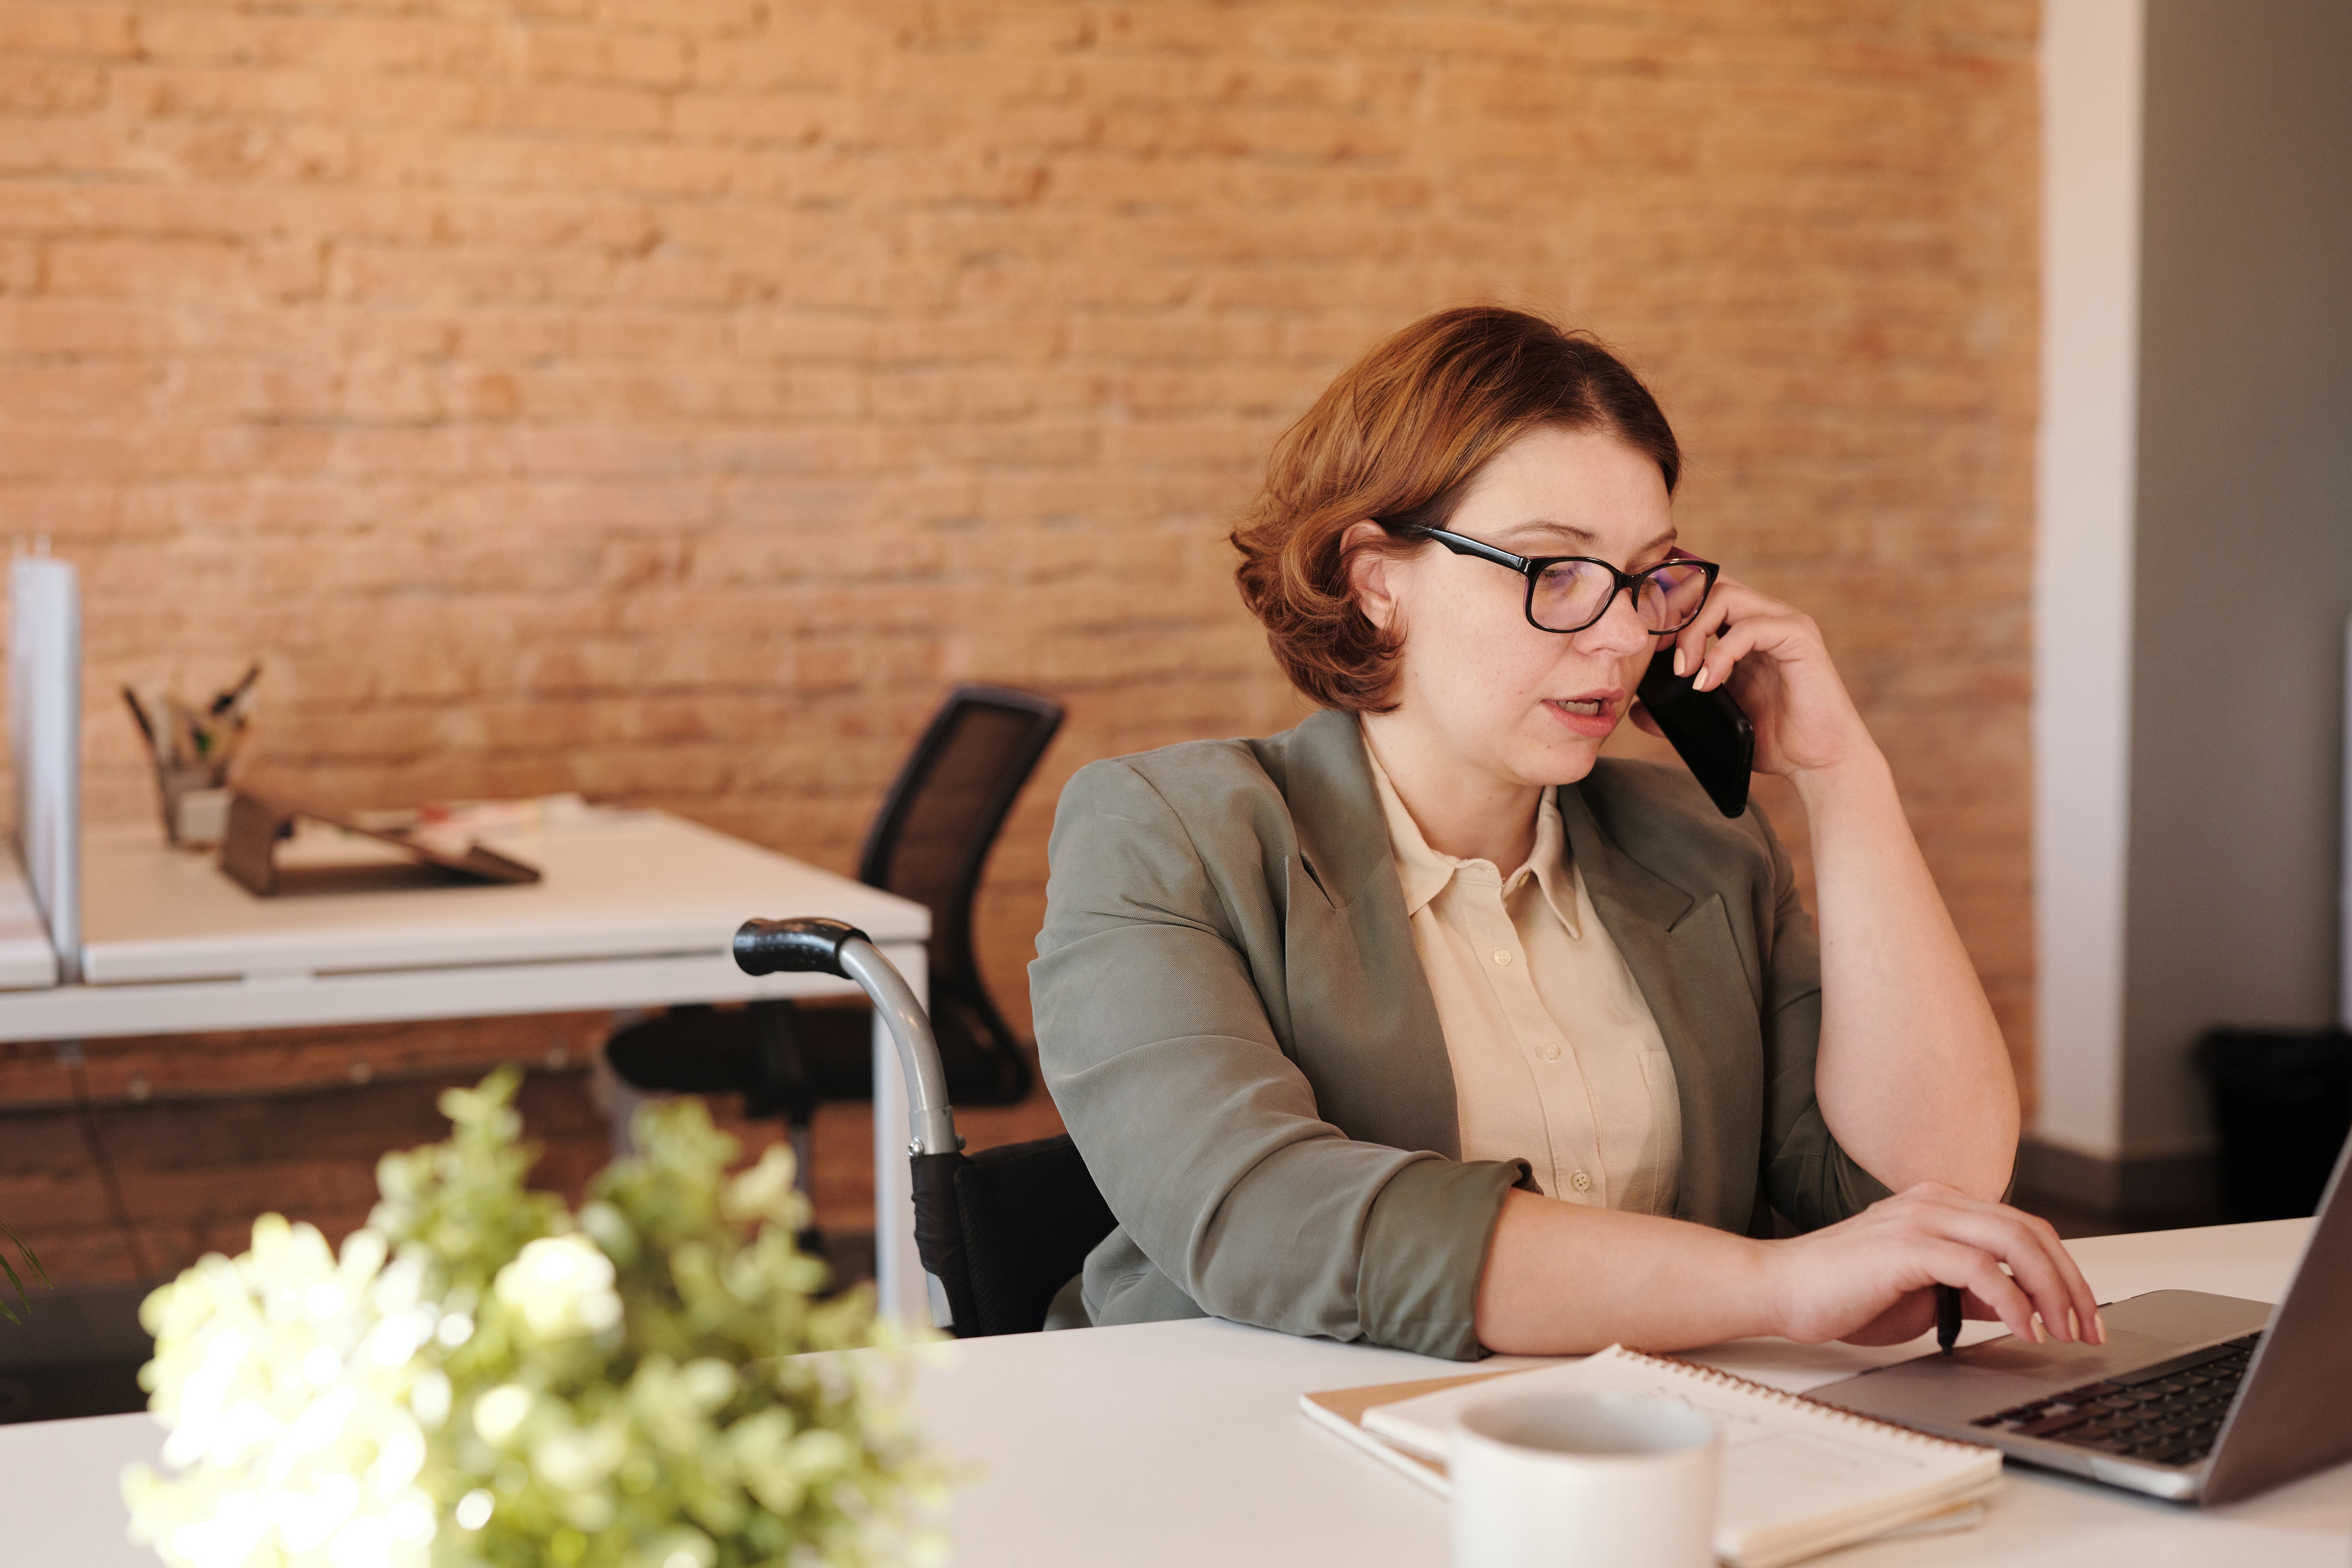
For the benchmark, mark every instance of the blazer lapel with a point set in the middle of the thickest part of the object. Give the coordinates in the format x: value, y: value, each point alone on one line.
x: 1681, y: 952
x: 1364, y: 1024
x: 1362, y: 1018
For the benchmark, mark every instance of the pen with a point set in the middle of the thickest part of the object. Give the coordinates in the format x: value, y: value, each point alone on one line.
x: 1947, y: 1317
x: 140, y: 713
x: 236, y: 694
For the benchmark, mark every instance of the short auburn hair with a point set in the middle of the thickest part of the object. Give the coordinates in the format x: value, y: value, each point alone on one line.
x: 1398, y: 439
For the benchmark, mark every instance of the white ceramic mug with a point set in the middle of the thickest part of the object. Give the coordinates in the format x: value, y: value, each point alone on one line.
x: 1583, y: 1481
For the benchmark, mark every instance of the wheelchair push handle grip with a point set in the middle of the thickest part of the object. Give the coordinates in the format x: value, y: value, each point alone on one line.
x: 808, y: 946
x: 814, y: 945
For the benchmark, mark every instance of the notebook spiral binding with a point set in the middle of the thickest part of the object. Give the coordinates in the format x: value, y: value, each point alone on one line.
x: 1782, y: 1397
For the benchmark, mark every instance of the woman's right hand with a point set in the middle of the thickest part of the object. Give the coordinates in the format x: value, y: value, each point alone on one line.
x: 1871, y: 1279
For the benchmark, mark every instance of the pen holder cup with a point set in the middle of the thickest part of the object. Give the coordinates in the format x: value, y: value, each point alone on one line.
x: 196, y: 802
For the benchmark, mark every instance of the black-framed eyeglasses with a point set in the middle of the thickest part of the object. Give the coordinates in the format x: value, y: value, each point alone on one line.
x: 1570, y: 592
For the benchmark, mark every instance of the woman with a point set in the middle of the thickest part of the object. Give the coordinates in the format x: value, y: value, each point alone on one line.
x: 1422, y: 1025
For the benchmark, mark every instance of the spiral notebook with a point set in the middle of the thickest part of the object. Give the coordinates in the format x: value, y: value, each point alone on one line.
x: 1798, y: 1477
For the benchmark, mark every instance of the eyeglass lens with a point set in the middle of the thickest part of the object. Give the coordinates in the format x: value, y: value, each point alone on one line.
x: 1571, y: 595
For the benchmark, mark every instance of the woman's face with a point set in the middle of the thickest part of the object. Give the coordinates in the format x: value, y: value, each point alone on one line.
x: 1527, y: 706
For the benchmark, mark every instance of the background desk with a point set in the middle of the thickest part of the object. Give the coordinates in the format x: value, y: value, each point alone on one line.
x: 633, y: 909
x: 1175, y: 1445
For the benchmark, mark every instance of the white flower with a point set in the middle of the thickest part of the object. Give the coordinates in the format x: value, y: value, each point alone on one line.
x: 318, y: 1405
x: 561, y: 1285
x: 499, y: 1413
x: 292, y: 1447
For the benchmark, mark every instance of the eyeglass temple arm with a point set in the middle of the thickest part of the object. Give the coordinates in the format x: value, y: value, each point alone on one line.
x: 1463, y: 546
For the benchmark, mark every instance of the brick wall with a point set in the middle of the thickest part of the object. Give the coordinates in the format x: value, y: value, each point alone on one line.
x: 666, y: 399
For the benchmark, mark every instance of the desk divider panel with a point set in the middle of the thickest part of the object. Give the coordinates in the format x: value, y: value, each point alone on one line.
x: 45, y: 735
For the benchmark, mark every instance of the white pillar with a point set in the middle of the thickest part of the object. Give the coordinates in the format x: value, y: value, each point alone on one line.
x: 2092, y: 59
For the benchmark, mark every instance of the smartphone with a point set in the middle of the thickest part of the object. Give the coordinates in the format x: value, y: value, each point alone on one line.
x: 1708, y: 731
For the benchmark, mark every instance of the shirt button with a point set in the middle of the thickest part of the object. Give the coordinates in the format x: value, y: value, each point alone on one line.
x: 1551, y: 1053
x: 1580, y: 1182
x: 1503, y: 957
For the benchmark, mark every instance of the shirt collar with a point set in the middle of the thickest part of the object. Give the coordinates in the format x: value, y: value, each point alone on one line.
x: 1551, y: 865
x: 1424, y: 873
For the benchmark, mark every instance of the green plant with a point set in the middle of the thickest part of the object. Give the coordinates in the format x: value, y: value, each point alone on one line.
x: 481, y: 1381
x: 15, y: 1283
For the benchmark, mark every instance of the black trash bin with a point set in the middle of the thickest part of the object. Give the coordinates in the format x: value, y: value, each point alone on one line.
x: 2283, y: 1104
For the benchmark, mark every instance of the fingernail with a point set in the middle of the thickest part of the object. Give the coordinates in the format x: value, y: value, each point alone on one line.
x: 2101, y: 1319
x: 1698, y: 682
x: 1681, y: 659
x: 2040, y: 1336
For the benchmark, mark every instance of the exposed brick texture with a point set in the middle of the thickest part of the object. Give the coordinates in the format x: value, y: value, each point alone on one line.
x: 666, y: 399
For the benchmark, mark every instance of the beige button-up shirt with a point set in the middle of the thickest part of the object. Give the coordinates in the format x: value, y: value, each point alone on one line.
x: 1557, y: 1059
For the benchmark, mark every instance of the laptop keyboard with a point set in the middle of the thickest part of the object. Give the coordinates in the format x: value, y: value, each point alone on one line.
x: 2168, y: 1413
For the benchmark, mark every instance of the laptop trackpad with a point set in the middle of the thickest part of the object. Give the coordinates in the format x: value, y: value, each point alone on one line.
x: 2005, y: 1372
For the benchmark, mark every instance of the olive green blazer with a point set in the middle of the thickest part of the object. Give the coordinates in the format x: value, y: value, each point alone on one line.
x: 1232, y: 1018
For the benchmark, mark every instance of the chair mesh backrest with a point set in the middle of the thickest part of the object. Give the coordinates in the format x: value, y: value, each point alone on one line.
x: 943, y: 811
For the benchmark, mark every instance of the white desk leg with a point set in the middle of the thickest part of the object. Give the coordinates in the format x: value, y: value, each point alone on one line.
x: 898, y: 1270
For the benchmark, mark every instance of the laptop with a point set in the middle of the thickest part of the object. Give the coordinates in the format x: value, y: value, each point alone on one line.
x: 2194, y: 1397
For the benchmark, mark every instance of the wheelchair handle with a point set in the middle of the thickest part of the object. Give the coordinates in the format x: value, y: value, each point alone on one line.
x: 814, y: 945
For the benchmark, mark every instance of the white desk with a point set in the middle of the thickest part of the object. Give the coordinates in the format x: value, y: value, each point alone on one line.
x: 1176, y: 1444
x: 632, y: 910
x: 1182, y: 1443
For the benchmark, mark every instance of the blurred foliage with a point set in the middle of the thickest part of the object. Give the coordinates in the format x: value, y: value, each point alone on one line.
x: 481, y: 1379
x: 15, y: 1281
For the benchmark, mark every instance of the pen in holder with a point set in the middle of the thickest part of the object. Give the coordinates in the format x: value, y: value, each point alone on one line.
x: 192, y: 749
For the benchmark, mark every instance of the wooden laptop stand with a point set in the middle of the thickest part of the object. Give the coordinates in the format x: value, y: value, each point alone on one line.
x: 249, y: 849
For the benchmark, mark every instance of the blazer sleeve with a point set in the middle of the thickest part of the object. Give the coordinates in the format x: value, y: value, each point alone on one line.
x: 1201, y: 1133
x: 1809, y: 1178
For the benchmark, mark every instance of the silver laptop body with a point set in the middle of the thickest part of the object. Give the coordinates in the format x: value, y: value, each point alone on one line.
x: 2154, y: 1409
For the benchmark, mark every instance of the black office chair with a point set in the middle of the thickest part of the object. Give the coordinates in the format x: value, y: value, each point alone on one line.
x: 928, y: 843
x: 1000, y: 1231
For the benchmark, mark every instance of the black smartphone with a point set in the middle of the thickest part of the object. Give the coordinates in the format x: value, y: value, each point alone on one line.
x: 1708, y: 731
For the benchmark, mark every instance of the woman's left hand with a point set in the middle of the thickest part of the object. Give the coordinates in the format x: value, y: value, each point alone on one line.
x: 1779, y: 671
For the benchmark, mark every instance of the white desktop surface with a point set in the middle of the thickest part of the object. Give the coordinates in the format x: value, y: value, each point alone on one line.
x: 631, y: 884
x: 1180, y: 1445
x: 636, y: 910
